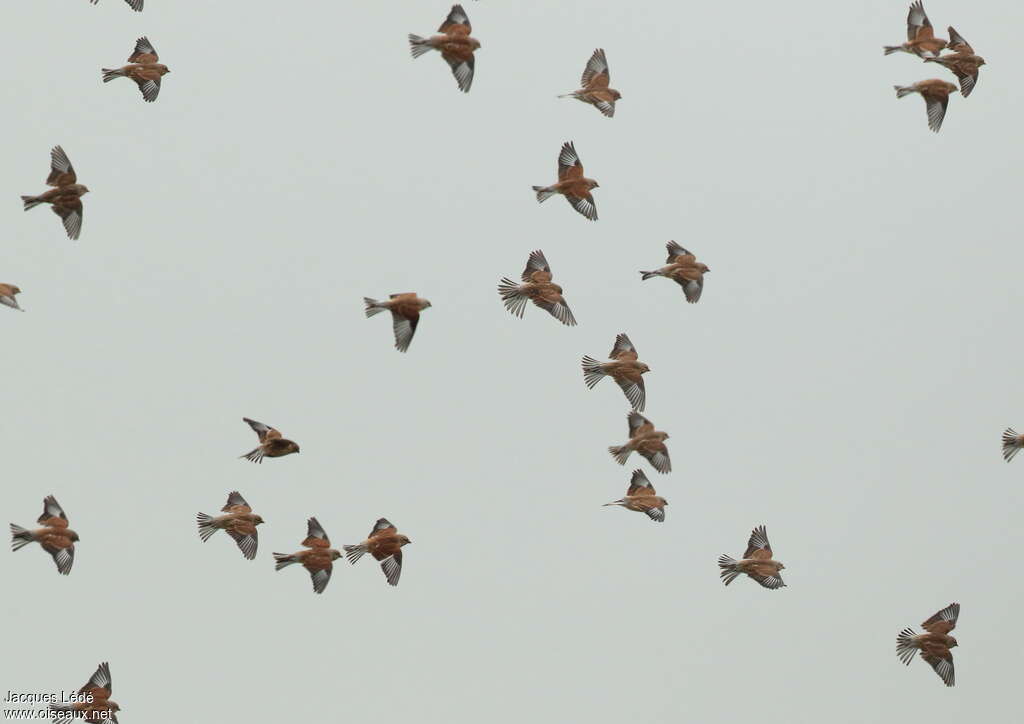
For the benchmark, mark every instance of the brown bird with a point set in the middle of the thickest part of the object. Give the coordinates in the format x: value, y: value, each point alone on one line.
x: 1012, y: 443
x: 272, y: 445
x: 94, y: 703
x: 405, y: 315
x: 757, y: 562
x: 647, y: 441
x: 317, y: 560
x: 935, y: 645
x: 454, y: 43
x: 595, y: 90
x: 143, y: 69
x: 963, y: 62
x: 385, y: 544
x: 571, y: 184
x: 66, y: 196
x: 624, y: 369
x: 537, y: 288
x: 684, y: 269
x: 642, y: 497
x: 55, y: 537
x: 921, y: 40
x: 239, y: 523
x: 135, y: 5
x: 936, y: 97
x: 7, y: 292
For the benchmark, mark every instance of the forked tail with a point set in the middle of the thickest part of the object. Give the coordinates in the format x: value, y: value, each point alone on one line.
x: 205, y: 523
x: 418, y: 46
x: 593, y: 371
x: 729, y: 570
x: 282, y: 560
x: 905, y: 648
x: 354, y: 553
x: 20, y: 537
x: 543, y: 193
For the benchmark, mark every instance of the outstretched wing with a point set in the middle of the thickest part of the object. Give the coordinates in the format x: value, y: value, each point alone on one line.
x: 943, y: 621
x: 595, y: 75
x: 758, y: 545
x: 62, y: 173
x: 315, y: 535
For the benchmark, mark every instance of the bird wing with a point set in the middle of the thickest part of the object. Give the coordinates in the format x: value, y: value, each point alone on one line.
x: 99, y: 684
x: 623, y: 349
x: 758, y: 545
x: 536, y: 267
x: 62, y: 173
x: 457, y: 22
x: 144, y: 52
x: 53, y: 515
x: 236, y: 504
x: 569, y: 165
x: 958, y: 44
x: 640, y: 484
x: 315, y: 535
x: 918, y: 25
x: 595, y: 75
x: 383, y: 527
x: 70, y: 213
x: 944, y: 621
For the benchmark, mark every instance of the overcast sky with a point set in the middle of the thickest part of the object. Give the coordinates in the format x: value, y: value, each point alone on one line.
x: 844, y: 379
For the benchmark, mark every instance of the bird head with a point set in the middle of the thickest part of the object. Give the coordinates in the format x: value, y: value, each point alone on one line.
x: 952, y: 642
x: 335, y: 554
x: 616, y: 95
x: 591, y: 183
x: 981, y: 61
x: 663, y: 435
x: 163, y: 68
x: 663, y: 501
x: 704, y: 268
x: 644, y: 368
x: 82, y: 189
x: 403, y: 540
x: 15, y: 290
x: 73, y: 535
x: 424, y: 303
x: 475, y: 43
x: 257, y: 520
x: 781, y: 566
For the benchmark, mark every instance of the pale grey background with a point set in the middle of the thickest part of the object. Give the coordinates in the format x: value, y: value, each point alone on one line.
x: 844, y: 379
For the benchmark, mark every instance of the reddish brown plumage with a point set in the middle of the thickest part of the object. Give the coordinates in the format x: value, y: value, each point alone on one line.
x: 54, y: 536
x: 757, y: 562
x: 683, y: 268
x: 239, y: 523
x: 538, y: 288
x: 455, y: 44
x: 642, y: 498
x: 936, y: 98
x: 65, y: 198
x: 934, y: 645
x: 921, y: 40
x: 142, y: 68
x: 624, y: 368
x: 318, y: 559
x: 96, y: 705
x: 385, y: 544
x: 405, y: 315
x: 272, y: 445
x: 571, y: 183
x: 7, y: 296
x: 647, y: 441
x: 595, y: 90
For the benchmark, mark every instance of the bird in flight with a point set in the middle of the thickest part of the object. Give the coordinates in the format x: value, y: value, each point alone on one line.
x: 936, y: 98
x: 94, y: 704
x: 921, y: 40
x: 647, y: 441
x: 624, y: 368
x: 934, y: 645
x: 571, y: 184
x: 318, y: 560
x: 54, y: 537
x: 7, y: 293
x: 454, y: 43
x: 538, y: 288
x: 65, y: 198
x: 756, y: 562
x: 405, y: 315
x: 239, y: 523
x: 385, y: 544
x: 962, y: 62
x: 1012, y: 443
x: 595, y: 90
x: 643, y: 498
x: 142, y: 68
x: 683, y: 268
x: 272, y: 445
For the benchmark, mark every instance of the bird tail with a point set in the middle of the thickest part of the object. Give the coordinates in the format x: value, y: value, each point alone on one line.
x: 648, y: 275
x: 620, y: 453
x: 418, y: 46
x: 890, y: 49
x: 205, y: 523
x: 283, y: 560
x: 729, y: 569
x: 255, y: 455
x: 373, y: 306
x: 903, y: 90
x: 543, y: 193
x: 354, y: 553
x: 1011, y: 444
x: 620, y: 501
x: 512, y: 296
x: 20, y: 537
x: 31, y: 201
x: 567, y: 95
x: 593, y: 371
x: 905, y: 647
x: 110, y: 73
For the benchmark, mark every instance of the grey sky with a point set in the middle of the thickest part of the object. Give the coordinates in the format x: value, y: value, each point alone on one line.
x: 843, y: 380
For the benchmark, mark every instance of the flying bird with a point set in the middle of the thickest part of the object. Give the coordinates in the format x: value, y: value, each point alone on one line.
x: 647, y: 441
x: 239, y: 523
x: 454, y: 43
x: 7, y: 293
x: 318, y: 560
x: 538, y: 288
x: 95, y: 704
x: 934, y: 646
x: 921, y: 40
x: 1012, y: 443
x: 963, y: 62
x: 55, y: 537
x: 595, y: 90
x: 756, y: 562
x: 571, y: 184
x: 684, y: 269
x: 936, y: 97
x: 65, y: 197
x: 642, y: 497
x: 624, y: 368
x: 272, y: 445
x: 405, y: 315
x: 135, y: 5
x: 385, y: 544
x: 142, y: 68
